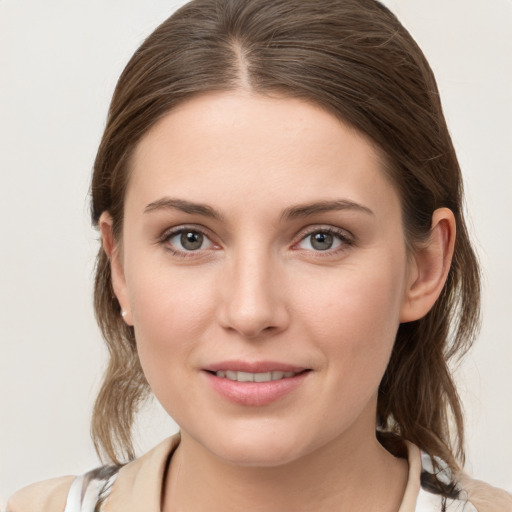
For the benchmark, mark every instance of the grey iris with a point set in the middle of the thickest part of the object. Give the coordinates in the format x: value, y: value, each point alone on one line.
x: 322, y: 241
x: 191, y: 240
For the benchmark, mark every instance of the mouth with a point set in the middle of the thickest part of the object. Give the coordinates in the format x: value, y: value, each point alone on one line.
x: 241, y: 376
x: 255, y: 383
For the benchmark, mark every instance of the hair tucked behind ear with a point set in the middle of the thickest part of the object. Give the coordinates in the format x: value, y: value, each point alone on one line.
x: 353, y: 58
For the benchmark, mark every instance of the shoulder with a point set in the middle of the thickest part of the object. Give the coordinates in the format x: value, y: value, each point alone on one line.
x: 440, y: 489
x: 130, y: 488
x: 139, y: 483
x: 485, y: 497
x: 46, y: 496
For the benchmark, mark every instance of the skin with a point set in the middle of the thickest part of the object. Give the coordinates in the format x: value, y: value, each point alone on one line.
x: 258, y: 288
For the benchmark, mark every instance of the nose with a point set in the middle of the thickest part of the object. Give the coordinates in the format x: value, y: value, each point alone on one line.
x: 253, y: 300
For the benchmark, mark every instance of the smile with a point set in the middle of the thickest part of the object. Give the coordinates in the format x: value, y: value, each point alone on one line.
x: 254, y: 377
x: 254, y: 384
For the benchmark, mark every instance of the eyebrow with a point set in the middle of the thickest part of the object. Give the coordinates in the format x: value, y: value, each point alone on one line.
x: 294, y: 212
x: 305, y: 210
x: 169, y: 203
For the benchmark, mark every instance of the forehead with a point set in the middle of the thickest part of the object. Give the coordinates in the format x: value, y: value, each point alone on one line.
x: 246, y: 147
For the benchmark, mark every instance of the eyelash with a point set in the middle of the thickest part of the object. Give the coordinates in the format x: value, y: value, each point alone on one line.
x: 168, y: 235
x: 342, y: 236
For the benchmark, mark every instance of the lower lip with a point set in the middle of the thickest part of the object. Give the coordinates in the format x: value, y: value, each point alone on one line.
x: 255, y: 393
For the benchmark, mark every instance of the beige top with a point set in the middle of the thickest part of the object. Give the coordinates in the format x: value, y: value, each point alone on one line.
x: 138, y: 487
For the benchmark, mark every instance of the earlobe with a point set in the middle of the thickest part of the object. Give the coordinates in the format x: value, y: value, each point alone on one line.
x: 111, y: 248
x: 431, y: 265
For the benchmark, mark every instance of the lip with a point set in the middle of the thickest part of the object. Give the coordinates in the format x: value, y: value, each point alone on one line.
x: 254, y: 366
x: 254, y: 394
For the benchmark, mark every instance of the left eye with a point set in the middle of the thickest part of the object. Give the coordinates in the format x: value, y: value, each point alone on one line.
x: 189, y: 240
x: 322, y: 241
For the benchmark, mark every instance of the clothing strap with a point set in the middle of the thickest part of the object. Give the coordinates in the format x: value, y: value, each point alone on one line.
x: 90, y: 490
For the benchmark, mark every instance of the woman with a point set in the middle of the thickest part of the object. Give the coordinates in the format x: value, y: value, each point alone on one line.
x: 285, y: 265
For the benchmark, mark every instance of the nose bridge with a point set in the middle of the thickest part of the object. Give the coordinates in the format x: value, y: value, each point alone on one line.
x: 251, y: 300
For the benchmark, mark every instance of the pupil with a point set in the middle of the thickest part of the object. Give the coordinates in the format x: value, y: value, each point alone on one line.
x: 191, y: 240
x: 322, y: 241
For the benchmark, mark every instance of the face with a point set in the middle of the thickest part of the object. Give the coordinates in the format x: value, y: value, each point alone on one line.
x: 263, y: 266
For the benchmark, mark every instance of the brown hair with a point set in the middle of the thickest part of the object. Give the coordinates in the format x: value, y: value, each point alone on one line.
x: 354, y: 58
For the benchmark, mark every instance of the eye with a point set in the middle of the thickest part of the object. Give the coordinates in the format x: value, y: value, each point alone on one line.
x: 187, y: 240
x: 324, y: 240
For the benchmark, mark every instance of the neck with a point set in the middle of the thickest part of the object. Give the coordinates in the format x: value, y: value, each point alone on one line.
x: 340, y: 476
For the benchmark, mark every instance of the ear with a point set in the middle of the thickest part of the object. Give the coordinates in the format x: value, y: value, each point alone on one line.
x: 429, y: 267
x: 112, y: 250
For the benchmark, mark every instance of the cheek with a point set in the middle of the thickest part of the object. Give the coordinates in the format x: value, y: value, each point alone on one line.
x: 355, y: 319
x: 171, y: 311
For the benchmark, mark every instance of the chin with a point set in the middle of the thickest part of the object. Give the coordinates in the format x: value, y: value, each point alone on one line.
x: 257, y: 456
x: 264, y: 448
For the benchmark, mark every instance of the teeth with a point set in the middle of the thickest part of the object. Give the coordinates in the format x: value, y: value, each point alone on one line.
x: 254, y: 377
x: 262, y: 377
x: 245, y: 377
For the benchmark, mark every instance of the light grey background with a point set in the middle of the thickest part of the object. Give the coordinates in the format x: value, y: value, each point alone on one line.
x: 59, y: 60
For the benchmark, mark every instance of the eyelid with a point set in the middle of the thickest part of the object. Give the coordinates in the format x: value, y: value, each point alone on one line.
x: 176, y: 230
x: 345, y: 236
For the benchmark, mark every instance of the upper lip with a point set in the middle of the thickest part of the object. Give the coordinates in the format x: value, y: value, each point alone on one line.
x: 254, y: 367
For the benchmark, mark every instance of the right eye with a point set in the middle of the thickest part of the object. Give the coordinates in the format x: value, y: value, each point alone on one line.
x: 186, y: 240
